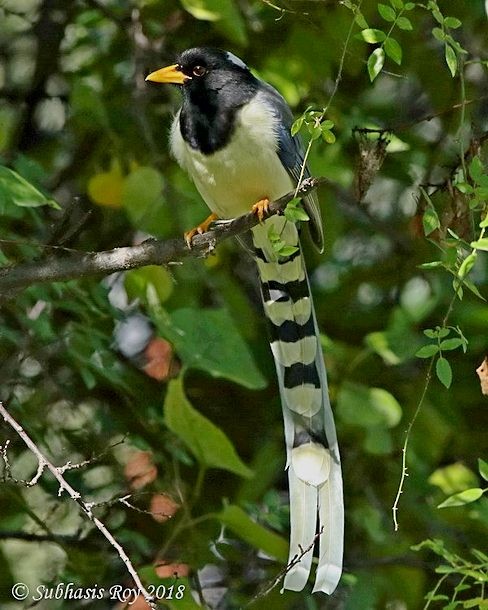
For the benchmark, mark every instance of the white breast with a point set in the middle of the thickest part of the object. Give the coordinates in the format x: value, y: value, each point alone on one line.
x: 248, y: 169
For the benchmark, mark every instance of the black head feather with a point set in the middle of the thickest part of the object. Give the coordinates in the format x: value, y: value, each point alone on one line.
x: 219, y: 84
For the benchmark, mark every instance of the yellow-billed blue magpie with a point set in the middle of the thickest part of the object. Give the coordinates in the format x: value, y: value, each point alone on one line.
x: 232, y: 135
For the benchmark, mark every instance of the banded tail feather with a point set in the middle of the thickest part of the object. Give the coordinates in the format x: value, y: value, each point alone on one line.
x: 313, y: 461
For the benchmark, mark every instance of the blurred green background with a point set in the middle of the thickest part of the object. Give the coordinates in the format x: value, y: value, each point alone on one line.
x: 164, y: 378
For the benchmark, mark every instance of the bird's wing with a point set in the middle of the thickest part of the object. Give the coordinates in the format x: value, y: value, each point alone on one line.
x: 290, y: 152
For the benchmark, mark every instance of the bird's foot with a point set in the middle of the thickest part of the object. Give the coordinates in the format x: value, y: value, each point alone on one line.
x: 199, y: 229
x: 261, y: 208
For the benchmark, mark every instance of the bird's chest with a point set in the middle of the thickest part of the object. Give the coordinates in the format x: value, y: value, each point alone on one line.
x: 246, y: 169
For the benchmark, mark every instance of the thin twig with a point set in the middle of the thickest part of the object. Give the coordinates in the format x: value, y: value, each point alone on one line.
x: 276, y: 581
x: 331, y: 97
x: 404, y: 474
x: 428, y: 379
x: 86, y: 507
x: 395, y: 128
x: 457, y: 283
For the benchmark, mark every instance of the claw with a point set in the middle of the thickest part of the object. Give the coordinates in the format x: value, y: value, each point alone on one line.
x: 199, y: 229
x: 261, y: 208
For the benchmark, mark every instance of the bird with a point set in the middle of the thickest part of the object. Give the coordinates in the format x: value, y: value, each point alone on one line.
x: 232, y: 135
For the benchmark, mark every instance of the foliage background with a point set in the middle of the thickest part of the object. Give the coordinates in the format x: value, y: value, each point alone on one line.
x: 77, y: 120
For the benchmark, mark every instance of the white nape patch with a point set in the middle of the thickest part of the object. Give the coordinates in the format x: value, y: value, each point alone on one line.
x: 311, y: 463
x: 248, y: 168
x: 235, y: 60
x: 292, y: 352
x: 305, y: 399
x: 280, y: 311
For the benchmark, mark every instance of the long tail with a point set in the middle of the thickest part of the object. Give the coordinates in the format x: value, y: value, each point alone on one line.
x: 313, y: 461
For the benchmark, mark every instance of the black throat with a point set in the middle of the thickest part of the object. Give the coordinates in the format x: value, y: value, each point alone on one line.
x: 208, y: 114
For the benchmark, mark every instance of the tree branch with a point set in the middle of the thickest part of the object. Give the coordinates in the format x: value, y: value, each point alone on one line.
x: 13, y: 279
x: 86, y: 507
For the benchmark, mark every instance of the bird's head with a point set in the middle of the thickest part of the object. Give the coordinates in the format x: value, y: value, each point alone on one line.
x: 201, y: 70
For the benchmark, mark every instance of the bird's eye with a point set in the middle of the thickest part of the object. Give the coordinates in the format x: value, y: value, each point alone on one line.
x: 199, y: 70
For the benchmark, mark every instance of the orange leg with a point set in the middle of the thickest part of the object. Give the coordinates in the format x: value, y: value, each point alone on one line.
x: 201, y: 228
x: 260, y: 209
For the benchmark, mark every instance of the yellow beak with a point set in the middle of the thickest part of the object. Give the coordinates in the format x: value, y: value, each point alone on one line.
x: 170, y: 74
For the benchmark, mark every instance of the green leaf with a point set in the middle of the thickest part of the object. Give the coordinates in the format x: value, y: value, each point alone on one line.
x: 297, y: 125
x: 476, y: 169
x: 443, y: 371
x: 430, y: 220
x: 453, y: 478
x: 452, y: 22
x: 328, y: 136
x: 379, y: 408
x: 404, y: 23
x: 437, y: 546
x: 393, y: 50
x: 378, y: 342
x: 451, y: 59
x: 201, y: 10
x: 455, y: 45
x: 481, y: 192
x: 436, y: 13
x: 288, y: 250
x: 431, y: 597
x: 427, y: 351
x: 397, y: 4
x: 386, y: 12
x: 373, y: 36
x: 273, y: 234
x: 224, y: 13
x: 30, y: 169
x: 361, y: 21
x: 203, y: 438
x: 137, y: 282
x: 472, y: 288
x: 15, y: 190
x: 209, y: 340
x: 376, y: 62
x: 479, y: 603
x: 464, y: 497
x: 143, y: 201
x: 450, y: 344
x: 386, y: 404
x: 481, y: 244
x: 464, y: 187
x: 467, y: 265
x: 409, y: 6
x: 483, y: 468
x: 294, y: 212
x: 444, y: 569
x: 254, y: 534
x: 278, y: 246
x: 314, y: 130
x: 439, y: 34
x: 431, y: 265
